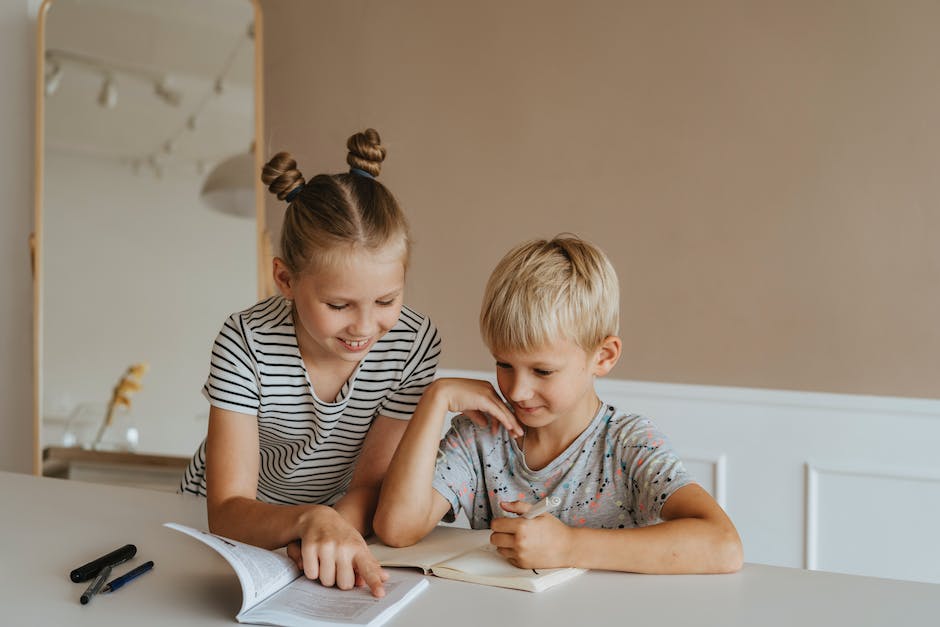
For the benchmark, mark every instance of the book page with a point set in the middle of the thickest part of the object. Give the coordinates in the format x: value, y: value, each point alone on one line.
x: 305, y: 603
x: 260, y: 572
x: 485, y: 565
x: 441, y: 544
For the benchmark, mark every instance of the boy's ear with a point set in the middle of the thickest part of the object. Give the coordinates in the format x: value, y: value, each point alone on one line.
x: 607, y: 355
x: 283, y: 278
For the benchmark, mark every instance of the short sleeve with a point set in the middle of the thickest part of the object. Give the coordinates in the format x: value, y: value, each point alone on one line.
x: 455, y: 475
x: 417, y: 375
x: 652, y: 469
x: 233, y: 383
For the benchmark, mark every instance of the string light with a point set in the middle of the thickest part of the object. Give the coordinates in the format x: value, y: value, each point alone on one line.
x: 165, y: 92
x: 163, y: 89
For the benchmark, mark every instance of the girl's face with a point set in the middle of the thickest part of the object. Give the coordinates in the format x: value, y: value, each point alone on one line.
x: 345, y: 307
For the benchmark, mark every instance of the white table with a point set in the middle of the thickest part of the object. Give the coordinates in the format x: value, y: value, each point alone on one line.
x: 50, y: 526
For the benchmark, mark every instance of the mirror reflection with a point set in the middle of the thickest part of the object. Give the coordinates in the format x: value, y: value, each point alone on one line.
x: 148, y: 219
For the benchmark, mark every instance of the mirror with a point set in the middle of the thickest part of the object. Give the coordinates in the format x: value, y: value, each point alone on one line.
x: 147, y: 215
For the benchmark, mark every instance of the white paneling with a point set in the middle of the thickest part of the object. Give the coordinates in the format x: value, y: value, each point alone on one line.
x: 873, y: 521
x: 709, y: 471
x: 750, y: 447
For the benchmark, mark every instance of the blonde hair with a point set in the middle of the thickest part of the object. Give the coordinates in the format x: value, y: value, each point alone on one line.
x: 333, y: 213
x: 543, y: 290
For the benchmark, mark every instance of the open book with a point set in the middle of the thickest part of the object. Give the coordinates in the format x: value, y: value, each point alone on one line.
x: 467, y: 555
x: 275, y: 592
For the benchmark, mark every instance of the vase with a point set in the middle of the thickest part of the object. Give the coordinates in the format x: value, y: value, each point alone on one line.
x: 121, y: 435
x: 85, y: 428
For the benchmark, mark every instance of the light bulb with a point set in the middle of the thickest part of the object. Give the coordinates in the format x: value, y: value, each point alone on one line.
x: 108, y: 95
x: 166, y: 93
x: 53, y: 77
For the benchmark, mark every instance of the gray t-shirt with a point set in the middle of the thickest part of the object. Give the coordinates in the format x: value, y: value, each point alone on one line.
x: 618, y: 473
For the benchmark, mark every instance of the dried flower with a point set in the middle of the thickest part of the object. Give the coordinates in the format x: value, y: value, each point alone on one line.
x: 128, y: 384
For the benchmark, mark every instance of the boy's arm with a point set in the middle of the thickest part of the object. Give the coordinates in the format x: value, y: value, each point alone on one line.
x: 357, y: 506
x: 409, y: 507
x: 695, y: 537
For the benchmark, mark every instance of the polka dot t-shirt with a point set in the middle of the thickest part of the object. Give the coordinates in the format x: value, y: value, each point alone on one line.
x: 618, y: 473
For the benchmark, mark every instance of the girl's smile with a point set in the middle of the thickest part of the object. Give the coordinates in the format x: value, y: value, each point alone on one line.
x: 356, y: 346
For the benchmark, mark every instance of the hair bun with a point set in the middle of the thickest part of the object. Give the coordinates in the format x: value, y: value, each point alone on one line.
x: 281, y: 175
x: 366, y: 151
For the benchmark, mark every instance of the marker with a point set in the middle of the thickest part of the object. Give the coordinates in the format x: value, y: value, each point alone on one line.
x: 117, y: 582
x: 95, y: 586
x: 92, y: 568
x: 545, y: 505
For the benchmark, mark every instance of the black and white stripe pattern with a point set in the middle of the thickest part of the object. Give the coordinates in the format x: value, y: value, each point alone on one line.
x: 308, y: 447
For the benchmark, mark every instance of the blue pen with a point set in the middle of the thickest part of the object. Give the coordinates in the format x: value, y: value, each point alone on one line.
x: 114, y: 584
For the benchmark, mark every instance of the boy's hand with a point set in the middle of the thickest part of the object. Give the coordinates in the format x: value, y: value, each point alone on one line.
x: 540, y: 542
x: 478, y: 401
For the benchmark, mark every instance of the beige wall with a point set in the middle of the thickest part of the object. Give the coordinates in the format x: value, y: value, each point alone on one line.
x: 763, y: 175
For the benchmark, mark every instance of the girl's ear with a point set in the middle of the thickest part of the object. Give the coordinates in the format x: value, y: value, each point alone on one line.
x: 283, y: 278
x: 607, y: 355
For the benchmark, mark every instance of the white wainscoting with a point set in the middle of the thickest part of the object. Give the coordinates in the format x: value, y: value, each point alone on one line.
x: 834, y: 482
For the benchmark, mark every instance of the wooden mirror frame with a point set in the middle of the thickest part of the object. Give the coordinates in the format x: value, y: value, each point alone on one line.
x: 262, y: 239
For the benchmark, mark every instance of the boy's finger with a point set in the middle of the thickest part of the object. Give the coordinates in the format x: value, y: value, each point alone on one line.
x: 502, y: 539
x: 504, y: 524
x: 515, y: 507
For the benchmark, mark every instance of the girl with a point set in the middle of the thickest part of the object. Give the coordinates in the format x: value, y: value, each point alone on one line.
x: 310, y: 391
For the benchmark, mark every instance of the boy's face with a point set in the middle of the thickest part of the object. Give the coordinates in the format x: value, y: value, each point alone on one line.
x: 552, y: 382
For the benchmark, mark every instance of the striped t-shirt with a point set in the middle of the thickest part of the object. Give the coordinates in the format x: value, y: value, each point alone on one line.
x: 309, y: 447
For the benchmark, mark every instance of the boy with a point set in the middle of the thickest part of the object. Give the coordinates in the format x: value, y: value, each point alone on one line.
x: 550, y: 318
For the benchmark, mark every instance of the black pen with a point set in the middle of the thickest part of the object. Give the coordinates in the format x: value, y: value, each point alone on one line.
x: 117, y: 582
x: 95, y: 586
x: 92, y: 568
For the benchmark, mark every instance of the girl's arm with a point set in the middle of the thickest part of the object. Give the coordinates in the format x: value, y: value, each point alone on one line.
x: 333, y: 546
x: 409, y: 507
x: 695, y: 537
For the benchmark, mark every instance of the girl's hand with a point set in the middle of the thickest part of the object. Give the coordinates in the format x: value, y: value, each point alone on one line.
x: 477, y: 400
x: 331, y: 550
x: 540, y: 542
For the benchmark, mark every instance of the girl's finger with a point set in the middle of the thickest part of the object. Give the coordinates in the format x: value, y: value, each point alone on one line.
x: 499, y: 412
x: 327, y: 559
x: 311, y: 563
x: 294, y: 552
x: 477, y: 417
x: 372, y: 574
x: 345, y: 575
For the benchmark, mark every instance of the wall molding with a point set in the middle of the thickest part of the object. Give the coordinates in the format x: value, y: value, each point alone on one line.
x: 783, y: 446
x: 857, y: 403
x: 813, y: 474
x: 719, y: 474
